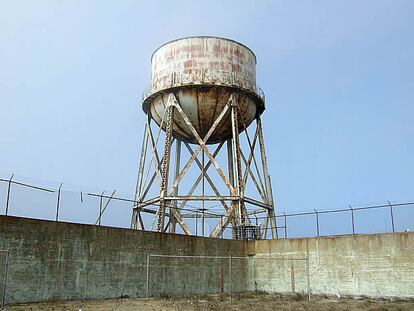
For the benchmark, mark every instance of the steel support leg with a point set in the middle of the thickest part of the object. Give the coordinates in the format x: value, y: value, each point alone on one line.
x: 241, y: 215
x: 136, y: 223
x: 269, y: 196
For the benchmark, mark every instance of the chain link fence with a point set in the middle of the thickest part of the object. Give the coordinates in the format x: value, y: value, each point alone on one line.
x: 23, y: 197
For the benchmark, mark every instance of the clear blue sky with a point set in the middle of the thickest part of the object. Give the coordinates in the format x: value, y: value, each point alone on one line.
x: 338, y: 78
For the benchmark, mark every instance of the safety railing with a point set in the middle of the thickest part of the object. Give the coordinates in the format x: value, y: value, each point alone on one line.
x: 177, y: 79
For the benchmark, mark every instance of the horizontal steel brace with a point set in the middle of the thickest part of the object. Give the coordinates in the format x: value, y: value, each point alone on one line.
x: 204, y: 198
x: 149, y: 202
x: 257, y: 203
x: 198, y: 216
x: 150, y: 211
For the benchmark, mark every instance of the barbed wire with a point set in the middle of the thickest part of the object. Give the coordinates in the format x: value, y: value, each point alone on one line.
x: 197, y: 211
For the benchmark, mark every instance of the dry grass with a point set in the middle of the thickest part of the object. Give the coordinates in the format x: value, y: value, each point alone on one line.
x: 242, y: 302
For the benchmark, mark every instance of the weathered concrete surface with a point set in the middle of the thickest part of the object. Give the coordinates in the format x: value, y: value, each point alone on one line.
x: 377, y: 265
x: 51, y: 260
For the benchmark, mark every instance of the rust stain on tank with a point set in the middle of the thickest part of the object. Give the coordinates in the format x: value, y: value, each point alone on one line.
x: 203, y: 72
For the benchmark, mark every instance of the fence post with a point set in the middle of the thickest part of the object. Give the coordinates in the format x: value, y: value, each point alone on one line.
x: 277, y: 232
x: 58, y: 203
x: 100, y: 208
x: 257, y: 233
x: 8, y: 194
x: 284, y: 214
x: 353, y: 221
x: 317, y: 222
x: 392, y: 217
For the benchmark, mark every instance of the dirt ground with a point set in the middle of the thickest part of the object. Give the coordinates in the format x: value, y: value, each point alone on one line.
x: 216, y: 302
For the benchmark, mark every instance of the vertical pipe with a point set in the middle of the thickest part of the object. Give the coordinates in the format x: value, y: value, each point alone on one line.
x: 392, y: 217
x: 230, y: 276
x: 230, y: 162
x: 196, y: 223
x: 317, y: 222
x: 58, y: 203
x: 8, y: 194
x: 202, y: 190
x: 202, y: 222
x: 353, y: 220
x: 100, y: 209
x: 221, y: 224
x: 6, y: 267
x: 148, y: 274
x: 308, y: 275
x: 285, y: 218
x: 230, y: 165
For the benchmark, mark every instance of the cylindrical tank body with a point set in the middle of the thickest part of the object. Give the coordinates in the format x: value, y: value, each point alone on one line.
x: 203, y: 72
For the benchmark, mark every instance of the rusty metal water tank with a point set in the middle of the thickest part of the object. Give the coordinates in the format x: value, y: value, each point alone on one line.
x: 203, y: 72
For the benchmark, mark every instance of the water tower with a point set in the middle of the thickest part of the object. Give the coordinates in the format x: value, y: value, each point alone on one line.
x: 203, y: 95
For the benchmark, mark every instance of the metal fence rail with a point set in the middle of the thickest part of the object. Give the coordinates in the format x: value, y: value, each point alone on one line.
x: 16, y: 198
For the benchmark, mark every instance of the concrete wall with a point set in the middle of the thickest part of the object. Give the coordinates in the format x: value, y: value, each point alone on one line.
x: 378, y: 265
x: 51, y: 260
